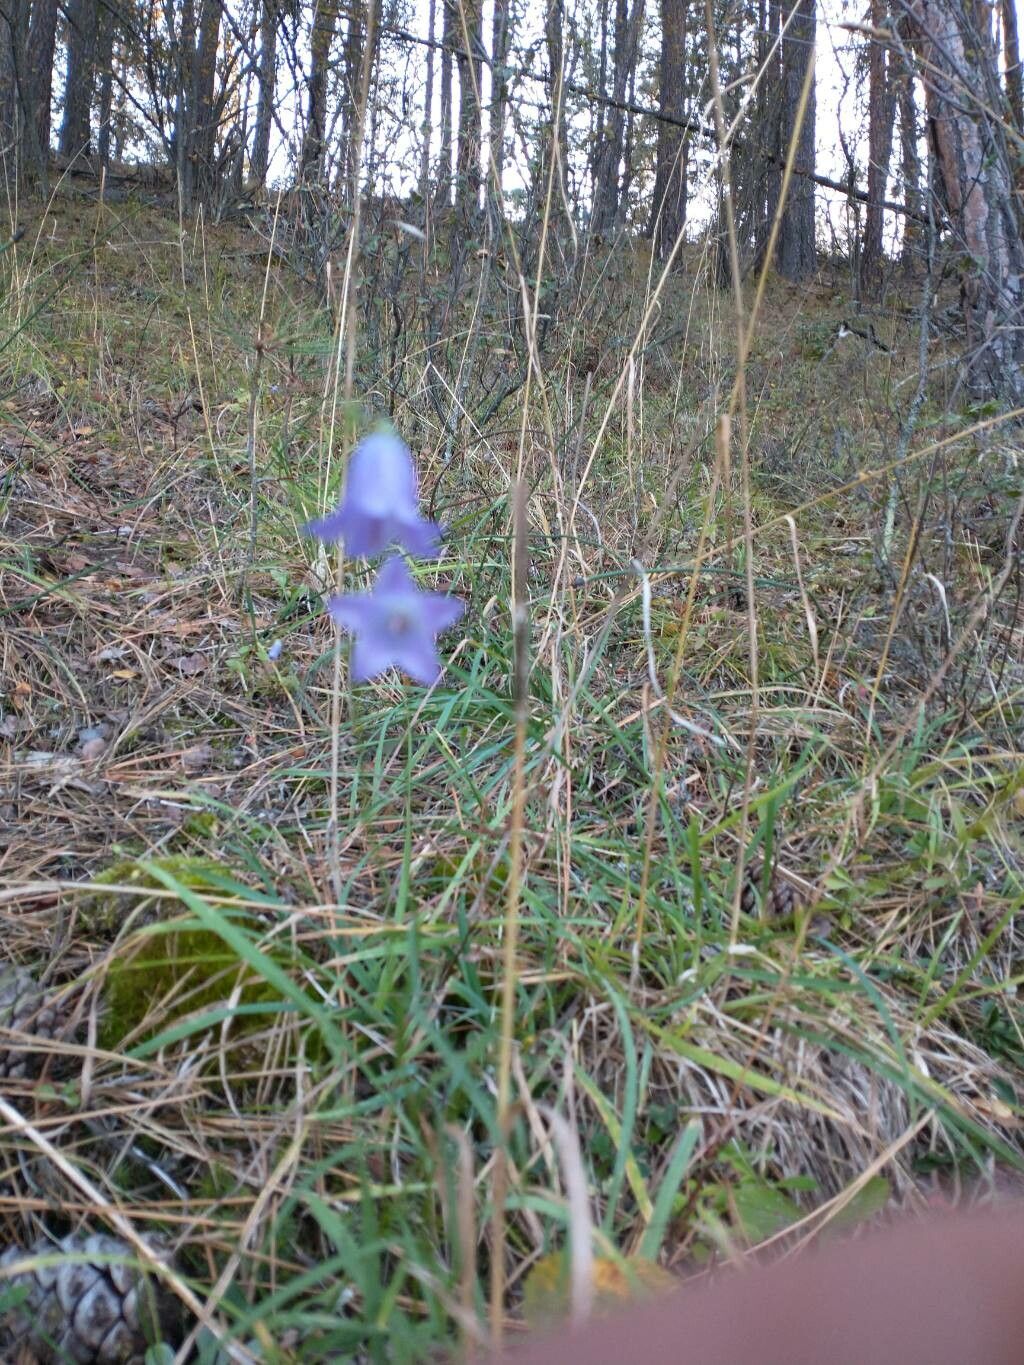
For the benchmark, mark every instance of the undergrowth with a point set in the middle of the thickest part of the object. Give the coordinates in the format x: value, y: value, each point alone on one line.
x: 289, y: 1056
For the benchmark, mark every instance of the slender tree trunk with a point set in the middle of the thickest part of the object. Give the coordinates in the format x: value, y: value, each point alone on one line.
x: 761, y: 118
x: 598, y: 115
x: 444, y: 169
x: 499, y: 89
x: 960, y: 76
x: 669, y: 212
x: 1011, y: 44
x: 8, y: 87
x: 881, y: 111
x: 325, y: 22
x: 773, y: 114
x: 910, y: 166
x: 467, y: 194
x: 428, y: 107
x: 75, y: 131
x: 267, y: 79
x: 355, y: 35
x: 628, y: 167
x: 797, y: 256
x: 554, y: 149
x: 105, y: 72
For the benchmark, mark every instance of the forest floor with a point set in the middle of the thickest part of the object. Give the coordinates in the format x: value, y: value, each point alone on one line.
x: 770, y: 957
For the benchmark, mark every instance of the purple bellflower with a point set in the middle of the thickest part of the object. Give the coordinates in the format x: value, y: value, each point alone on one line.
x: 378, y: 507
x: 395, y: 625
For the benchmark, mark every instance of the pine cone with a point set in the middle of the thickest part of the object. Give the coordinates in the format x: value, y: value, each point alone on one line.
x: 782, y: 898
x: 91, y: 1313
x: 25, y: 1008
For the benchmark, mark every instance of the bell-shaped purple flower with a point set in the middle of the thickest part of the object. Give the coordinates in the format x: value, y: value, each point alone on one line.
x: 395, y: 625
x: 379, y: 506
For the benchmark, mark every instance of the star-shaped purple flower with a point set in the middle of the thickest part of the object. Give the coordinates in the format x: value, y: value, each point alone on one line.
x: 379, y: 506
x: 395, y: 625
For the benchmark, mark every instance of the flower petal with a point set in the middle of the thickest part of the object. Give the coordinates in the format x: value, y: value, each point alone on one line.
x: 355, y: 611
x: 328, y: 529
x: 366, y: 535
x: 420, y: 537
x: 394, y: 577
x: 440, y: 611
x: 381, y: 477
x: 418, y: 657
x: 372, y: 654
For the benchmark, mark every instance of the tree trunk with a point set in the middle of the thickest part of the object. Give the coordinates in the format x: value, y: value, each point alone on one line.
x: 267, y: 78
x: 960, y: 76
x: 467, y: 192
x: 428, y: 107
x: 75, y: 131
x: 597, y: 131
x: 499, y: 90
x: 628, y: 24
x: 797, y: 258
x: 1011, y: 45
x: 444, y: 168
x: 42, y: 40
x: 910, y: 171
x: 203, y: 120
x: 105, y: 70
x: 554, y: 152
x: 772, y: 107
x: 881, y: 110
x: 671, y: 163
x: 325, y: 22
x: 13, y: 72
x: 355, y: 35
